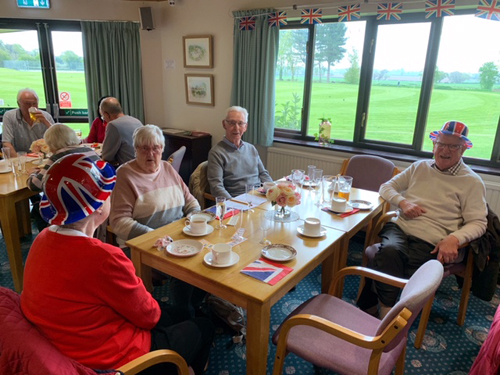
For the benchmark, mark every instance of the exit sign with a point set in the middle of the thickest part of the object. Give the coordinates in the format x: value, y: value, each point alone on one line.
x: 41, y: 4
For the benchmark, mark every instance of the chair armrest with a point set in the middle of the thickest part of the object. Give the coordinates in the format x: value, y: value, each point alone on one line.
x: 152, y: 358
x: 366, y: 272
x: 356, y: 338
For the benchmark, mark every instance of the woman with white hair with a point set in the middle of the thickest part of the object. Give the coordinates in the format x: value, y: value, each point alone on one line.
x: 149, y: 194
x: 62, y: 141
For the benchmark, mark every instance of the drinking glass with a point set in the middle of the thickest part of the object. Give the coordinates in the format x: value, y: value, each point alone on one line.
x: 315, y: 182
x: 21, y: 161
x: 32, y: 111
x: 298, y: 176
x: 265, y: 224
x: 345, y: 188
x: 327, y: 187
x: 310, y: 169
x: 249, y: 188
x: 220, y: 203
x: 78, y: 133
x: 8, y: 159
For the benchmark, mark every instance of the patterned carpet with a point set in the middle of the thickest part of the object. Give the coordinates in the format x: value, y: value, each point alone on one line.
x: 448, y: 349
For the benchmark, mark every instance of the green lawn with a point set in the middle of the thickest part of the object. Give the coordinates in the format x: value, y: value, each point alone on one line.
x: 393, y: 109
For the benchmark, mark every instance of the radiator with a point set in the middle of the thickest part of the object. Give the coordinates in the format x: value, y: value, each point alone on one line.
x: 281, y: 161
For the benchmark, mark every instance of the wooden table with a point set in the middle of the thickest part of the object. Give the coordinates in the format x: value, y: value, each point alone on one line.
x: 15, y: 222
x: 229, y: 283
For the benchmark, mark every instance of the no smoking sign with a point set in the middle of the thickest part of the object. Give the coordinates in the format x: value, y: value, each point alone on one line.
x: 64, y: 100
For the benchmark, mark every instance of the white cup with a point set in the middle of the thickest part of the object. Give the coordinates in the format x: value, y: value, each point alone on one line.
x: 197, y: 224
x: 4, y: 166
x: 339, y: 204
x: 267, y: 185
x: 312, y: 226
x: 221, y: 253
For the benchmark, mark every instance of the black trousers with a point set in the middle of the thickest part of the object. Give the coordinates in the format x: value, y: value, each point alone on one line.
x: 192, y: 339
x: 399, y: 255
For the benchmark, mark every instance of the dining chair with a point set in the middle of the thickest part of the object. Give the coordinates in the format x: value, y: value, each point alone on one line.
x: 369, y: 172
x: 176, y: 158
x: 199, y: 187
x: 334, y: 334
x: 24, y: 350
x: 462, y: 269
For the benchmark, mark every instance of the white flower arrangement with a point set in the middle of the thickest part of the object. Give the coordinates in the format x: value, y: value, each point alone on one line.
x: 40, y: 146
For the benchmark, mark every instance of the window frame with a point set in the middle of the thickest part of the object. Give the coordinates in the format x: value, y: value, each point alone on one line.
x: 47, y: 60
x: 359, y: 142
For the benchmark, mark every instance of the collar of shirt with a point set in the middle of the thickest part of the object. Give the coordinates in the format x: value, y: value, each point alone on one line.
x: 228, y: 142
x: 453, y: 170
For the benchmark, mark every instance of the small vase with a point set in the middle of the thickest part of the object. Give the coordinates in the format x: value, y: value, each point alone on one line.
x: 282, y: 213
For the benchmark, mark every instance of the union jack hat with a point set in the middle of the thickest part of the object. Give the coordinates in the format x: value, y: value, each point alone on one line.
x: 74, y: 187
x: 456, y: 128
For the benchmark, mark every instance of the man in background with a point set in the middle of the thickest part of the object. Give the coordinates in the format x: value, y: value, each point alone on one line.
x: 117, y: 147
x: 19, y: 128
x: 233, y: 163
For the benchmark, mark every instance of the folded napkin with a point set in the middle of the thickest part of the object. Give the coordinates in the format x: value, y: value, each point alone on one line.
x: 339, y: 214
x: 266, y: 271
x: 162, y: 242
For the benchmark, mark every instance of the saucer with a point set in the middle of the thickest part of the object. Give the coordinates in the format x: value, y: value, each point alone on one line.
x: 187, y: 230
x: 279, y: 252
x: 184, y: 248
x: 235, y: 258
x: 360, y: 204
x: 322, y: 232
x: 5, y: 170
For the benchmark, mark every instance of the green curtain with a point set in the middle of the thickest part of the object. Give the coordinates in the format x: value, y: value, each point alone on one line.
x: 112, y: 58
x: 255, y: 54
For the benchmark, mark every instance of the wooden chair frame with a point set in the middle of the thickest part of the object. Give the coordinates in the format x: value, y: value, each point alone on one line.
x: 152, y: 358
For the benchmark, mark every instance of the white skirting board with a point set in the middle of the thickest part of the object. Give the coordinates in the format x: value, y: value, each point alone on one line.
x: 280, y: 161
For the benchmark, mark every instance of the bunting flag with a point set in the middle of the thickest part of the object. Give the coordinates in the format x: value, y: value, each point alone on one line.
x: 348, y: 12
x: 439, y: 8
x: 247, y: 23
x: 311, y: 16
x: 277, y: 19
x: 389, y: 11
x: 489, y: 9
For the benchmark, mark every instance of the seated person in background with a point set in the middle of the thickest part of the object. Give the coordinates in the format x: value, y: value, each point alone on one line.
x: 62, y: 141
x: 442, y: 206
x: 98, y: 128
x: 149, y: 194
x: 117, y: 146
x: 233, y: 163
x: 19, y: 129
x: 82, y: 294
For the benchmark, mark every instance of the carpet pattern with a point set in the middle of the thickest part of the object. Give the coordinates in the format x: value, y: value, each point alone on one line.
x: 447, y: 349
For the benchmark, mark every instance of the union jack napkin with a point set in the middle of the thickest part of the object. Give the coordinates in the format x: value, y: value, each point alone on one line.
x: 266, y: 271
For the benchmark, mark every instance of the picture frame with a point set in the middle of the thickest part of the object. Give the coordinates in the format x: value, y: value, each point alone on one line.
x: 198, y: 51
x: 200, y: 89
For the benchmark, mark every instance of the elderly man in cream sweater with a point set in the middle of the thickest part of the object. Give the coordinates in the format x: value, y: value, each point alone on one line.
x: 442, y: 206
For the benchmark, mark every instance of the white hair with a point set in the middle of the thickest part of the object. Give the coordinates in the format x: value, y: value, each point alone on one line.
x: 237, y: 108
x: 60, y: 136
x: 26, y: 90
x: 148, y: 135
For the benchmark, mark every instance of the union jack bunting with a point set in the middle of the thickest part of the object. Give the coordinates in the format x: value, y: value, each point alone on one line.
x: 348, y: 12
x: 247, y: 23
x: 389, y: 11
x: 489, y: 9
x: 311, y: 16
x: 439, y: 8
x: 277, y: 19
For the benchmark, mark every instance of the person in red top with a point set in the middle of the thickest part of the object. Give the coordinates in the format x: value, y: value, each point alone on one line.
x: 82, y: 294
x: 98, y: 128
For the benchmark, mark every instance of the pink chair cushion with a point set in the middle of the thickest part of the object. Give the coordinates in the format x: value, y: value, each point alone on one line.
x: 24, y: 350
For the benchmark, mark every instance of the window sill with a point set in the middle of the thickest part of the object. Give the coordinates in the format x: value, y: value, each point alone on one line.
x: 384, y: 154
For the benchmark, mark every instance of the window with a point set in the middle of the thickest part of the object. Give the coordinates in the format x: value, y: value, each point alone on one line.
x: 46, y: 56
x: 386, y: 85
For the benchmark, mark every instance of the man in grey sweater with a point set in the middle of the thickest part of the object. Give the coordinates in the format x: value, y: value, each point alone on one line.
x: 117, y: 147
x: 233, y: 163
x: 442, y: 205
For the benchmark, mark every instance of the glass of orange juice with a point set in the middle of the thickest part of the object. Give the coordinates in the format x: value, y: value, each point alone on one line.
x: 345, y: 188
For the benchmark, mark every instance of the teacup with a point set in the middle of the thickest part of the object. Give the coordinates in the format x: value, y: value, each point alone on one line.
x: 267, y: 185
x: 197, y: 224
x: 221, y: 253
x: 4, y: 166
x: 312, y: 226
x: 339, y: 204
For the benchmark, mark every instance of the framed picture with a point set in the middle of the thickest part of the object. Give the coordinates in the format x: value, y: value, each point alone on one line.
x: 200, y: 89
x: 198, y: 51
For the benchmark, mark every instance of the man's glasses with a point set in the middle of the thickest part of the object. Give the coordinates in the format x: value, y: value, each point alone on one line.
x: 451, y: 146
x: 146, y: 149
x: 234, y: 123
